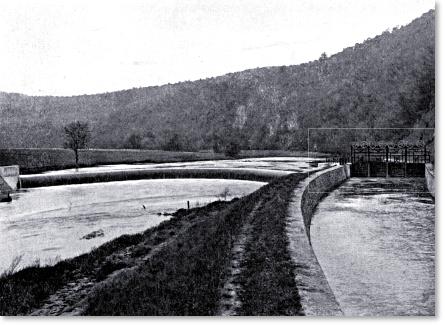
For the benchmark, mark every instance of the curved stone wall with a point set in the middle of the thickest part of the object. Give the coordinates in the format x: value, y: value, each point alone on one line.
x: 317, y: 187
x: 317, y: 298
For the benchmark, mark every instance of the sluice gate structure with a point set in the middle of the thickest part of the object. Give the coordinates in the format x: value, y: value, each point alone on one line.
x: 389, y: 159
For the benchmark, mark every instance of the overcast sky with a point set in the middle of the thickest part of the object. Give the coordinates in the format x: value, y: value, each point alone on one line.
x: 84, y: 47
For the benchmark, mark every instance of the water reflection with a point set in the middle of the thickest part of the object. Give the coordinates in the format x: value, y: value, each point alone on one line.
x: 374, y: 239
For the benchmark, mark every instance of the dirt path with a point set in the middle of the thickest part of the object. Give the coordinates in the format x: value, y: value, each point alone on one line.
x: 72, y: 299
x: 230, y: 302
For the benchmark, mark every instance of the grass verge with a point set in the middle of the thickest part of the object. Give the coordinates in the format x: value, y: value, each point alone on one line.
x: 267, y: 274
x: 182, y: 279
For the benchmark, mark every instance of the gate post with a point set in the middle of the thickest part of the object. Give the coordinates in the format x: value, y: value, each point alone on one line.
x: 352, y: 150
x: 406, y: 160
x: 369, y: 164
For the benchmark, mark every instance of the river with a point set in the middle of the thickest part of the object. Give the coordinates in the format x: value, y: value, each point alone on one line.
x: 375, y: 241
x: 47, y: 224
x: 289, y: 164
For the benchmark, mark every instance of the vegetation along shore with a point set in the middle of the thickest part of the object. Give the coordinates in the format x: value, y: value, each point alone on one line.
x: 181, y: 267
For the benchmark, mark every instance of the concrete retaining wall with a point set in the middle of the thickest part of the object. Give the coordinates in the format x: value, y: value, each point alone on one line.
x: 429, y: 179
x: 317, y: 298
x: 9, y: 180
x: 317, y: 187
x: 10, y: 175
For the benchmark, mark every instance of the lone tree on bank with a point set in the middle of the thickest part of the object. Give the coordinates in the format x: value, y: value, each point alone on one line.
x: 77, y: 136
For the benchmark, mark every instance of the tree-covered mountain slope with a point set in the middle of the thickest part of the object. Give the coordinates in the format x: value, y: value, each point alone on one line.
x: 386, y: 81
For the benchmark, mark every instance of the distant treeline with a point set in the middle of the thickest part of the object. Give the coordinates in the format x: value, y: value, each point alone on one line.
x: 34, y: 160
x: 385, y: 82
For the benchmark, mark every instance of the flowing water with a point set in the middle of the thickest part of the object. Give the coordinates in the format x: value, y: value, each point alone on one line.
x: 375, y: 240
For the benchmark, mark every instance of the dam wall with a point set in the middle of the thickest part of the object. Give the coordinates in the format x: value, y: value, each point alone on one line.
x: 317, y: 298
x: 45, y: 180
x: 429, y: 179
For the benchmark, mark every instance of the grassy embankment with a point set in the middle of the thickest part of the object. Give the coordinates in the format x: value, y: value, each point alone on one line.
x: 185, y: 276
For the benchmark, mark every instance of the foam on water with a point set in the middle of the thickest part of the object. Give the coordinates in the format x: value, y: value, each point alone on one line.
x: 375, y: 241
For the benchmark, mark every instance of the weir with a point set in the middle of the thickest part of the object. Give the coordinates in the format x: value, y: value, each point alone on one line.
x: 42, y: 180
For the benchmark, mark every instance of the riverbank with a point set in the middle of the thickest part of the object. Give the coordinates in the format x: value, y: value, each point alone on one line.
x: 177, y: 268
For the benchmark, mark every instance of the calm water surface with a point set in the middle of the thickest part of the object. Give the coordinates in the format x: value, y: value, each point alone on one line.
x: 290, y: 164
x: 48, y: 223
x: 374, y: 239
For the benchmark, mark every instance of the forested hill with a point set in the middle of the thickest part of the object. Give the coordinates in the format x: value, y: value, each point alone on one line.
x: 387, y: 81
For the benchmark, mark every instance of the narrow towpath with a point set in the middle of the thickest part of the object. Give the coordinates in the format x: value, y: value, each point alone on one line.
x: 230, y: 300
x: 71, y: 299
x: 261, y: 279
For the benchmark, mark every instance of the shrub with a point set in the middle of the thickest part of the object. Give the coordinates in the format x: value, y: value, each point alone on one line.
x: 232, y: 149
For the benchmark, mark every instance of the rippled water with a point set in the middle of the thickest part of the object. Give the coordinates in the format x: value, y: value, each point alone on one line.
x: 48, y: 223
x: 375, y: 240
